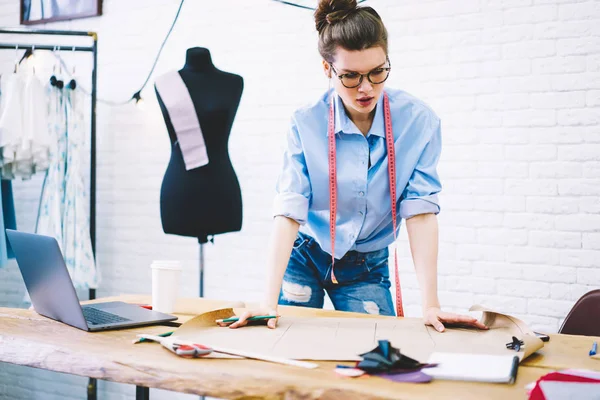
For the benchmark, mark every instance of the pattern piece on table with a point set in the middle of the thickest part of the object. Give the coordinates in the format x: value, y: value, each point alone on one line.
x: 344, y: 339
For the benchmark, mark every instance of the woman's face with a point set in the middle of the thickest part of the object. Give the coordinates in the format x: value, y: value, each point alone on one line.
x: 363, y: 98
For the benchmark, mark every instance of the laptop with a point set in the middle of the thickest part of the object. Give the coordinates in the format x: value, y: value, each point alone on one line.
x: 53, y: 295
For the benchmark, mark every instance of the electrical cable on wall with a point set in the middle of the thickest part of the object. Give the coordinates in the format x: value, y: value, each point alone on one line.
x: 137, y: 95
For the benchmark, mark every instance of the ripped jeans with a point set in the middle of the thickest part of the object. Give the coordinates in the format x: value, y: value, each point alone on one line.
x: 363, y: 279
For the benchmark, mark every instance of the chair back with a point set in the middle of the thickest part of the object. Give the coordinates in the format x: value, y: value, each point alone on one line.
x: 584, y: 317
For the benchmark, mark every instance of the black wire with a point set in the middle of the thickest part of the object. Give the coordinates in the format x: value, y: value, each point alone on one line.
x: 136, y: 96
x: 294, y: 4
x: 161, y: 48
x: 289, y: 3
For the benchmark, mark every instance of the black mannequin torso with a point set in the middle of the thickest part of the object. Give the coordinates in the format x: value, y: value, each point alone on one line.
x: 204, y: 201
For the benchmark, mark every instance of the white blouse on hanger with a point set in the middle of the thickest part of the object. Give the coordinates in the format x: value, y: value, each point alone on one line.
x: 36, y: 136
x: 24, y: 132
x: 11, y: 122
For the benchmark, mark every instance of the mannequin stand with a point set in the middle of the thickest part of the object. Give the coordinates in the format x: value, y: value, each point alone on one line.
x: 201, y: 283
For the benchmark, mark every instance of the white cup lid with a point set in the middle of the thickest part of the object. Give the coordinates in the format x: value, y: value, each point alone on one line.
x: 166, y: 264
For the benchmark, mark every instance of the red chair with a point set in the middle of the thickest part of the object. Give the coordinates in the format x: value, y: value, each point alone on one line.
x: 584, y: 317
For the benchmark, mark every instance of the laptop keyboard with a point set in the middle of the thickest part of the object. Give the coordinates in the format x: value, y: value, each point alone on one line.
x: 93, y: 316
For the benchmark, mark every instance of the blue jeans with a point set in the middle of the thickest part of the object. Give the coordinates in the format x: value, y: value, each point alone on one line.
x: 363, y: 279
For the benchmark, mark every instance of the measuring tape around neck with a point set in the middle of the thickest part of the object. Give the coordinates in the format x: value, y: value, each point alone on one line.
x: 389, y: 138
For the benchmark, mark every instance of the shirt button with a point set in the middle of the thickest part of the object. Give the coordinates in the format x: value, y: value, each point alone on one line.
x: 361, y: 193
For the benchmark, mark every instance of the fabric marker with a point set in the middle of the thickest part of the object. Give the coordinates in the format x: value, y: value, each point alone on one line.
x: 256, y: 318
x: 139, y: 340
x: 594, y: 349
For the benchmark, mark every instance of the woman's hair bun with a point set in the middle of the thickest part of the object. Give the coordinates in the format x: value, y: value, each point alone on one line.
x: 330, y: 12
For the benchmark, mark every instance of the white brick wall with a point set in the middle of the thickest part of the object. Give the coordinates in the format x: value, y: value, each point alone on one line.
x: 515, y: 82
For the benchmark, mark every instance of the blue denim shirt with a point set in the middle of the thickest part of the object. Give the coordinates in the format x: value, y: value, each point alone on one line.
x: 364, y: 216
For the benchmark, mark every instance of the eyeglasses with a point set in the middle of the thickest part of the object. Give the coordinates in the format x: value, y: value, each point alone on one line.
x: 354, y: 79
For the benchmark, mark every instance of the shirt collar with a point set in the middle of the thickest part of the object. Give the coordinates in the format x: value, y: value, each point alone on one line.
x: 344, y: 124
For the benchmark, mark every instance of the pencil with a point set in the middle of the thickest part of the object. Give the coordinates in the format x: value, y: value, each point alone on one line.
x: 256, y: 318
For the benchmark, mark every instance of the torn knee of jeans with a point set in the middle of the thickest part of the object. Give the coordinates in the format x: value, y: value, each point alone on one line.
x: 371, y: 307
x: 296, y: 293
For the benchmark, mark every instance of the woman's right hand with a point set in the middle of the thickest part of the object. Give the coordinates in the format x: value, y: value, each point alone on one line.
x: 243, y: 319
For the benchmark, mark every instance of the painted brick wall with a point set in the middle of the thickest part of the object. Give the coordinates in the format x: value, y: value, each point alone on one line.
x: 515, y: 82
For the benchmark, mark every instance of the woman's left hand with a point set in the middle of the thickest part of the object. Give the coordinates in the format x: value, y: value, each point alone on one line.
x: 435, y: 317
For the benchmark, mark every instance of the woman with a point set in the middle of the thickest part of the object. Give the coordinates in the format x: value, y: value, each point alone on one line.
x: 337, y: 173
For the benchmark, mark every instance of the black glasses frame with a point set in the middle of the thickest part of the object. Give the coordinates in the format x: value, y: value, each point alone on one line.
x: 368, y: 75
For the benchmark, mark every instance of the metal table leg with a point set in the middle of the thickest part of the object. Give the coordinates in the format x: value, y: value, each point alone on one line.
x: 142, y: 393
x: 92, y: 393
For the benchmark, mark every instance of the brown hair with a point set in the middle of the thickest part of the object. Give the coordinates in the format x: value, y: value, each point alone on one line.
x: 342, y: 23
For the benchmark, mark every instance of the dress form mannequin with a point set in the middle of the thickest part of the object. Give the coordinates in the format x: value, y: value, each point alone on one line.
x: 206, y: 200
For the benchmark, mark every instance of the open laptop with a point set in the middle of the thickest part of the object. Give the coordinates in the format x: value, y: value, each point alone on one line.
x: 53, y: 294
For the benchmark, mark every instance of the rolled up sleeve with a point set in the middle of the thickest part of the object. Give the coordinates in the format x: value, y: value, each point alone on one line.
x: 421, y: 193
x: 293, y: 185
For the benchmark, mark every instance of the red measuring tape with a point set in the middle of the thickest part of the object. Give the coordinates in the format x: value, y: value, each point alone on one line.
x: 389, y: 138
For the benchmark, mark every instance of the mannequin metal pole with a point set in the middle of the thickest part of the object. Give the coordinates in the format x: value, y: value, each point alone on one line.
x: 201, y: 291
x: 201, y: 287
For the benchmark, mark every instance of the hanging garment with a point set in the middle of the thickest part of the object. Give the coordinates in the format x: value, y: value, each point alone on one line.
x: 35, y: 138
x: 8, y: 221
x: 24, y: 136
x: 77, y: 243
x: 63, y: 206
x: 50, y: 210
x: 11, y: 122
x: 8, y: 213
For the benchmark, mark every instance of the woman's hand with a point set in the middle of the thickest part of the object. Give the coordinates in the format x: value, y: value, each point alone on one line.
x: 243, y: 319
x: 435, y: 317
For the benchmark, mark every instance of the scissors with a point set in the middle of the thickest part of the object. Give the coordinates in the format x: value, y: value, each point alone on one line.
x: 180, y: 347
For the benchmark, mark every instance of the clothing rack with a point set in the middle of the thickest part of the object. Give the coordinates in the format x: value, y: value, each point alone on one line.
x: 94, y: 50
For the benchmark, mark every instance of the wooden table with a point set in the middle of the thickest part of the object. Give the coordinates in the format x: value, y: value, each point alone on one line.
x: 29, y: 339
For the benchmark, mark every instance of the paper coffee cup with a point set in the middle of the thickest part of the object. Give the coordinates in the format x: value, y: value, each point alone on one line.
x: 166, y: 276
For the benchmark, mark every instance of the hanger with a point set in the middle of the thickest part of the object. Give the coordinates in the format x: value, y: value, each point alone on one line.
x: 54, y: 81
x: 28, y: 53
x: 16, y: 58
x: 72, y: 84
